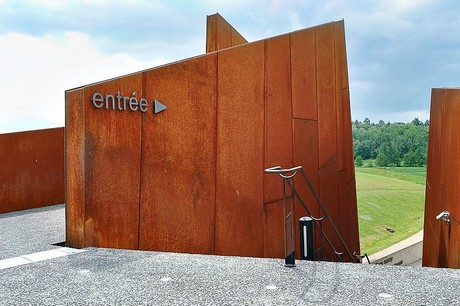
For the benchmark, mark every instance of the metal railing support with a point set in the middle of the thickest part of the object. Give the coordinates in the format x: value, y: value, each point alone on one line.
x: 287, y: 175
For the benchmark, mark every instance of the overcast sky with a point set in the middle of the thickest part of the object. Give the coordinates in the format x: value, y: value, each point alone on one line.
x: 397, y: 49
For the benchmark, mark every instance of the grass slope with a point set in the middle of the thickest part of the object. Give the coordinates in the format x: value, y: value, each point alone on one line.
x: 390, y: 205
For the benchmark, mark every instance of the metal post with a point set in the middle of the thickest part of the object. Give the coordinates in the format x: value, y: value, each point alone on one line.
x: 289, y: 245
x: 306, y: 238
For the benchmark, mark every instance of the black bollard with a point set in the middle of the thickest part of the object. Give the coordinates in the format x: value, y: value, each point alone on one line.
x: 306, y: 238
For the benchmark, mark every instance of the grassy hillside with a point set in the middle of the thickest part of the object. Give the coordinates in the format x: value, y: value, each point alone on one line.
x: 390, y: 205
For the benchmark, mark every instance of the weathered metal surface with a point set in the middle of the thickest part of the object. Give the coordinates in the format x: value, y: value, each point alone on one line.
x: 306, y: 155
x: 179, y: 159
x: 329, y: 194
x: 440, y: 246
x: 278, y: 115
x: 112, y: 167
x: 240, y: 151
x: 433, y: 191
x: 352, y: 212
x: 220, y: 34
x: 451, y: 159
x: 304, y: 74
x: 75, y: 165
x: 326, y: 92
x: 347, y: 143
x: 31, y: 169
x: 273, y: 230
x: 191, y: 179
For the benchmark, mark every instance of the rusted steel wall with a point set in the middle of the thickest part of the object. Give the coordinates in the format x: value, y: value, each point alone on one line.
x: 220, y: 34
x: 191, y: 178
x: 32, y: 169
x: 440, y: 242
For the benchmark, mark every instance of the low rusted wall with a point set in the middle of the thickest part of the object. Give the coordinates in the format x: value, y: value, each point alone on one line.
x: 441, y: 246
x: 32, y: 169
x: 191, y: 178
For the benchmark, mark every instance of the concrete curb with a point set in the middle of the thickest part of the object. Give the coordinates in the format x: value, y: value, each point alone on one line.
x: 406, y: 253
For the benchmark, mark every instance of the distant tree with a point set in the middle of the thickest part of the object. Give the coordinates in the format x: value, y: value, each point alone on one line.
x: 363, y: 149
x: 427, y: 123
x: 420, y: 157
x: 416, y: 122
x: 381, y: 122
x: 381, y: 160
x: 359, y: 161
x: 398, y: 142
x: 410, y: 159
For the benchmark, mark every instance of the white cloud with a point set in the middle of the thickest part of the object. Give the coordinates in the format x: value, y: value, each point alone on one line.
x: 37, y: 71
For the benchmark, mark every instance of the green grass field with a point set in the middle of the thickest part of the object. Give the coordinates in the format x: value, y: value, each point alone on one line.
x: 391, y: 203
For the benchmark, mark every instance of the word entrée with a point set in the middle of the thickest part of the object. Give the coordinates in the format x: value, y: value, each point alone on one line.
x: 120, y: 102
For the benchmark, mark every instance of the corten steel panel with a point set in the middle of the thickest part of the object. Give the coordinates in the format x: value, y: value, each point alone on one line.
x: 226, y: 127
x: 211, y: 33
x: 112, y: 167
x: 274, y: 230
x: 341, y: 54
x: 342, y: 212
x: 454, y: 249
x: 326, y: 92
x: 237, y: 38
x: 220, y: 34
x: 444, y: 236
x: 179, y: 158
x: 429, y: 231
x: 240, y: 152
x: 278, y: 114
x: 352, y: 212
x: 432, y: 193
x: 446, y: 163
x: 429, y: 254
x: 328, y: 192
x: 32, y: 169
x: 452, y: 160
x: 306, y: 155
x: 339, y: 44
x: 344, y: 130
x: 440, y: 240
x: 303, y: 65
x: 341, y: 127
x: 347, y: 149
x: 75, y: 167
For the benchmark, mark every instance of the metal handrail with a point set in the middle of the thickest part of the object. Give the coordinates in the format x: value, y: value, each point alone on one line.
x: 287, y: 175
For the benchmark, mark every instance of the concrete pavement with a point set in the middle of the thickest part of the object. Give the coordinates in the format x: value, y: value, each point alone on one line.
x: 123, y: 277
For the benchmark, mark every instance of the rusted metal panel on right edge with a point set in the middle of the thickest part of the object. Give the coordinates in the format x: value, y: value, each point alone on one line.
x: 452, y: 160
x: 440, y: 245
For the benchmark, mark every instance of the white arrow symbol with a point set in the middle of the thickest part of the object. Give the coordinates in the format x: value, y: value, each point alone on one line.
x: 158, y: 106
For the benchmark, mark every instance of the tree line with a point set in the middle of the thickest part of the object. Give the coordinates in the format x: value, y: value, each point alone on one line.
x: 390, y: 144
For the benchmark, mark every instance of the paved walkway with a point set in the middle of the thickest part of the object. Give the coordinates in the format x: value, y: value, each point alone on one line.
x: 31, y: 231
x: 122, y: 277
